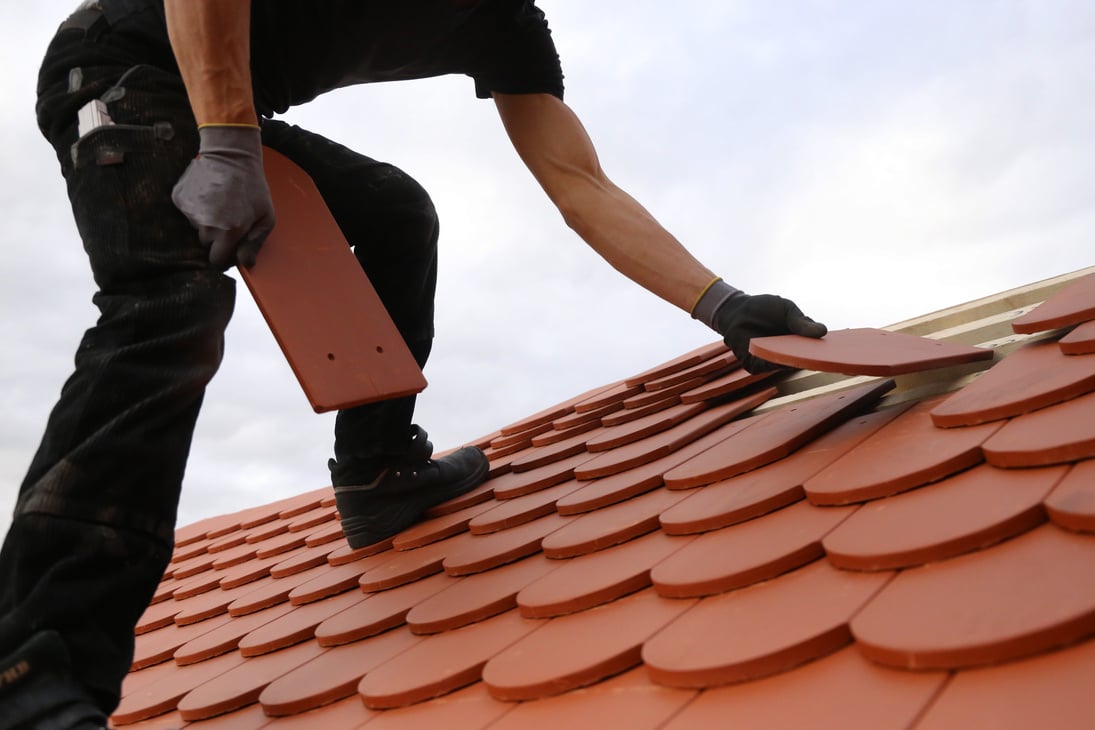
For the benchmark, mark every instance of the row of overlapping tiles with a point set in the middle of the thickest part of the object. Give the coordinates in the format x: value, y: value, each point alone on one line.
x: 649, y: 523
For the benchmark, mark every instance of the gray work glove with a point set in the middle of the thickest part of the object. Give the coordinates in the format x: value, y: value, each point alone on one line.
x: 743, y: 317
x: 224, y: 195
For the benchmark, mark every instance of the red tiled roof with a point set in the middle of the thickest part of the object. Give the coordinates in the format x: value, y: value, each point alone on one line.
x: 692, y: 547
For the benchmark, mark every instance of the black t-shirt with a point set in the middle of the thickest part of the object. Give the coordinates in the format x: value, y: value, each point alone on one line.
x: 303, y: 48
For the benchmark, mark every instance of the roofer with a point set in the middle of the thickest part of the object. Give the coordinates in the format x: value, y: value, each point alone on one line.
x: 158, y: 110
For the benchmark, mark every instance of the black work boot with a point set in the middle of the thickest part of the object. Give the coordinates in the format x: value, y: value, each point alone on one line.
x: 400, y: 495
x: 38, y: 692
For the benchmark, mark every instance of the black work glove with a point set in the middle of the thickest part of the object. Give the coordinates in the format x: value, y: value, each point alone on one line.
x: 224, y: 195
x: 743, y: 317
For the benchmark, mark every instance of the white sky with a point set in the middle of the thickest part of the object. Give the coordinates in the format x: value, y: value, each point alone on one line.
x: 872, y: 159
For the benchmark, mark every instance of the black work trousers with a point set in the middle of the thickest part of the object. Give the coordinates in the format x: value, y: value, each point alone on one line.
x: 93, y: 527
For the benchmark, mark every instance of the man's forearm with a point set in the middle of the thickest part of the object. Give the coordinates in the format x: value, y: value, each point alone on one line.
x: 212, y: 45
x: 553, y: 143
x: 629, y: 238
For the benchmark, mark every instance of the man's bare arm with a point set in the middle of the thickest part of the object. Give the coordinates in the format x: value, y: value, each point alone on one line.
x: 223, y: 192
x: 554, y: 145
x: 212, y: 44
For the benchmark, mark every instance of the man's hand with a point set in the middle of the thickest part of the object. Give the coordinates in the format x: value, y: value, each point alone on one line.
x: 743, y: 317
x: 224, y: 195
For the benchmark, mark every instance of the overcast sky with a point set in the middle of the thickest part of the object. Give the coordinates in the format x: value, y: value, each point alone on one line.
x: 873, y: 160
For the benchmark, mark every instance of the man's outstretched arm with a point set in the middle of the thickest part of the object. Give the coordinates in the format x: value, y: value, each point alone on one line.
x: 223, y: 192
x: 554, y: 145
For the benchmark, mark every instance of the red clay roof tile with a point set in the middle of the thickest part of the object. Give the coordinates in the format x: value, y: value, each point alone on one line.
x: 498, y: 548
x: 224, y: 634
x: 1054, y: 435
x: 842, y: 691
x: 629, y: 700
x: 677, y: 364
x: 595, y: 578
x: 1072, y: 504
x: 1080, y: 341
x: 771, y: 436
x: 905, y: 453
x: 750, y: 552
x: 1026, y: 595
x: 724, y: 638
x: 865, y: 351
x: 1032, y: 377
x: 242, y: 684
x: 333, y: 675
x: 1048, y: 690
x: 295, y: 626
x: 383, y: 611
x: 610, y: 525
x: 440, y: 663
x: 580, y: 648
x: 1073, y: 304
x: 627, y: 456
x: 477, y: 596
x: 466, y: 709
x: 968, y: 511
x: 519, y: 510
x: 952, y: 569
x: 770, y: 487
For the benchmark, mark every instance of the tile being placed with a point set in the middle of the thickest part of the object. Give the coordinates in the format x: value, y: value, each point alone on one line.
x: 968, y: 511
x: 775, y: 435
x: 1080, y: 341
x: 1030, y: 378
x: 904, y: 454
x: 1073, y: 304
x: 1055, y: 435
x: 1027, y: 595
x: 865, y: 351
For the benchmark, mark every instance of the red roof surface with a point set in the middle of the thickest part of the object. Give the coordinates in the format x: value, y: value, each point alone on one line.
x: 691, y: 547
